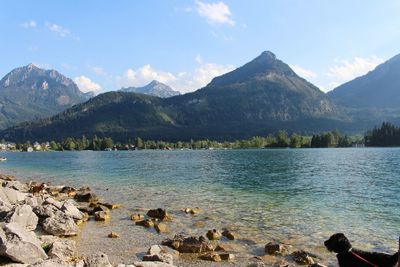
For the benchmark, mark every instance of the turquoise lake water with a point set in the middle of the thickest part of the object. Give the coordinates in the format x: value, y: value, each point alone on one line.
x: 300, y: 195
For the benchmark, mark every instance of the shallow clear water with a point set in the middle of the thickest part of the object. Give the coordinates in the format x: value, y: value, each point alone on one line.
x: 299, y: 196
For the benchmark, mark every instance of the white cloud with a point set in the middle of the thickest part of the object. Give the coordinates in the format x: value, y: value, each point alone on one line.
x: 347, y: 70
x: 182, y: 81
x: 218, y: 12
x: 61, y: 31
x: 87, y: 85
x: 29, y: 24
x: 305, y: 73
x: 98, y: 70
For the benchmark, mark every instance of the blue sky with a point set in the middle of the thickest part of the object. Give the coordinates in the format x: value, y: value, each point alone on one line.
x: 105, y: 45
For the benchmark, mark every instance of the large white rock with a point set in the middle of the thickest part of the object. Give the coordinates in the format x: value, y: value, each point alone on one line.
x: 20, y: 245
x: 71, y: 210
x: 152, y: 264
x: 14, y: 196
x: 24, y: 216
x: 60, y: 224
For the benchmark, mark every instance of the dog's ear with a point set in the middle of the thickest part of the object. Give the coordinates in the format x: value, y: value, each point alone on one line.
x: 343, y: 244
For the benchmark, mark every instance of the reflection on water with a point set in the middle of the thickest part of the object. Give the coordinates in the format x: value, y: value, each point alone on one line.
x: 301, y: 195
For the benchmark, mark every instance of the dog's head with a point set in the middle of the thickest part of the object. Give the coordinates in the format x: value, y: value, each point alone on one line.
x: 338, y: 243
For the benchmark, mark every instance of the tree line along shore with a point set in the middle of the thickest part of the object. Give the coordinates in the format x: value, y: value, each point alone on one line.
x: 388, y: 135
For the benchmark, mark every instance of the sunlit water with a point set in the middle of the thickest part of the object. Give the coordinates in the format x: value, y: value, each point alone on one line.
x: 299, y: 197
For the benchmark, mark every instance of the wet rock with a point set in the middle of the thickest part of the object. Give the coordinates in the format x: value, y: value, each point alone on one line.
x: 113, y: 235
x: 97, y: 260
x: 160, y: 214
x: 101, y: 216
x: 86, y: 196
x: 137, y: 217
x: 273, y: 248
x: 60, y: 224
x: 24, y: 216
x: 146, y: 223
x: 7, y: 177
x: 214, y: 234
x: 161, y: 227
x: 212, y: 256
x: 190, y: 244
x: 227, y: 256
x: 301, y: 257
x: 111, y: 206
x: 70, y: 191
x: 228, y: 234
x: 192, y: 211
x: 65, y: 250
x: 162, y: 257
x: 20, y: 245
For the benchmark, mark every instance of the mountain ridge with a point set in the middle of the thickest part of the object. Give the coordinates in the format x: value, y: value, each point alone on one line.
x: 154, y: 88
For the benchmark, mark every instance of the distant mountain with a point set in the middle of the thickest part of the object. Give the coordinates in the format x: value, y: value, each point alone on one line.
x: 154, y: 88
x: 379, y: 88
x: 29, y: 93
x: 261, y: 97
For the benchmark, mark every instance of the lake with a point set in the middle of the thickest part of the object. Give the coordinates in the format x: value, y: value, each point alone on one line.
x: 297, y: 196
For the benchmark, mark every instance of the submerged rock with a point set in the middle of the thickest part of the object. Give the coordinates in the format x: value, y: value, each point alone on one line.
x: 162, y: 257
x: 137, y: 217
x: 161, y: 227
x: 228, y: 234
x: 273, y: 248
x: 20, y: 245
x: 101, y: 216
x: 113, y: 235
x: 86, y: 196
x: 214, y: 234
x: 69, y: 208
x: 111, y: 206
x: 146, y: 223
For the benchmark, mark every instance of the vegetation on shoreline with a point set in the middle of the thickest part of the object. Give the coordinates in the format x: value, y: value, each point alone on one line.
x: 388, y: 135
x: 280, y: 140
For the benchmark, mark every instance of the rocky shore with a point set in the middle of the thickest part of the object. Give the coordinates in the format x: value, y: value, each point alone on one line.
x: 39, y: 225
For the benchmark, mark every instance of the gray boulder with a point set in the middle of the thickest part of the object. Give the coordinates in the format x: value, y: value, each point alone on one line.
x: 53, y: 202
x: 20, y: 245
x: 185, y: 244
x: 152, y: 264
x: 162, y: 257
x: 50, y: 263
x: 60, y: 224
x: 17, y: 185
x: 24, y: 216
x: 97, y: 260
x: 64, y: 250
x: 71, y: 210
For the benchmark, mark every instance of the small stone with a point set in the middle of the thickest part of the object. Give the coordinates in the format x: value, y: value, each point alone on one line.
x: 193, y: 211
x: 113, y: 235
x: 101, y: 216
x: 227, y: 256
x: 301, y: 257
x: 161, y: 227
x: 137, y: 217
x: 211, y: 257
x: 157, y: 249
x: 146, y: 223
x: 100, y: 208
x: 86, y: 196
x: 228, y: 234
x: 189, y: 244
x: 214, y: 234
x: 273, y: 248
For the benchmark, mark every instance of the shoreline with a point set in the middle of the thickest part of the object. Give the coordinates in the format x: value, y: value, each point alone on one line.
x: 236, y: 251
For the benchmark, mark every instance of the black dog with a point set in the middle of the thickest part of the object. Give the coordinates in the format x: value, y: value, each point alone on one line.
x: 350, y: 257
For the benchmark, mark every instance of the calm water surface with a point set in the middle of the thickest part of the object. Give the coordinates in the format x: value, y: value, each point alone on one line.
x: 301, y: 195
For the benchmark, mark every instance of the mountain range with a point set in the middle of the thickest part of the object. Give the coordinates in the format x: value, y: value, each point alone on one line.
x: 30, y: 93
x: 154, y: 88
x: 261, y: 97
